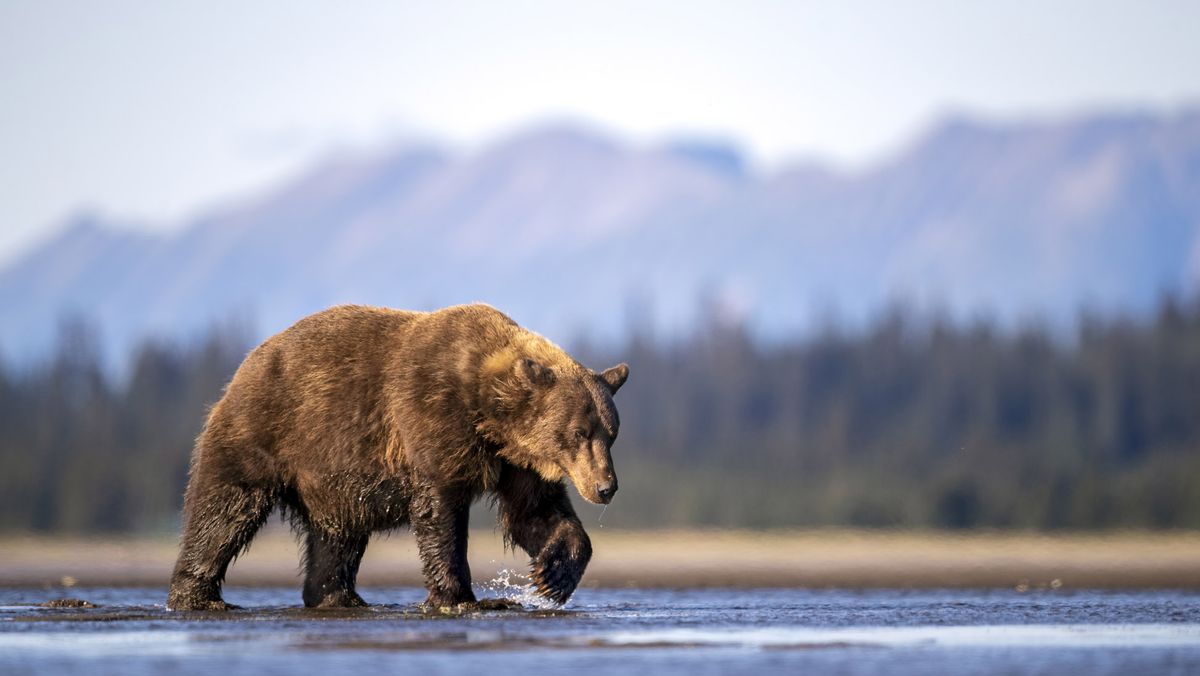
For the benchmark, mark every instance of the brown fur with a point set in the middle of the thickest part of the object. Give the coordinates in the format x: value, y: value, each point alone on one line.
x: 361, y: 419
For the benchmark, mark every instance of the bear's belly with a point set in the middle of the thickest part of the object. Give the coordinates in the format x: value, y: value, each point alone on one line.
x: 353, y: 501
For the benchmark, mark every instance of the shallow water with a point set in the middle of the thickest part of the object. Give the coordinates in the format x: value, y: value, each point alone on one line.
x: 686, y: 631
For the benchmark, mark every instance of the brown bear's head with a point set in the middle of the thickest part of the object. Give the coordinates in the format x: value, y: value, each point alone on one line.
x: 558, y: 419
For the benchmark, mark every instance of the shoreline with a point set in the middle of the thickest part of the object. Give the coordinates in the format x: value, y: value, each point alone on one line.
x: 827, y: 558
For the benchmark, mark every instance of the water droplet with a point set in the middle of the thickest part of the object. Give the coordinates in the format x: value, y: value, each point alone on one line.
x: 513, y: 586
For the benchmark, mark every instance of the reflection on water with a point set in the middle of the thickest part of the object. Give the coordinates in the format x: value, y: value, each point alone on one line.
x: 667, y: 631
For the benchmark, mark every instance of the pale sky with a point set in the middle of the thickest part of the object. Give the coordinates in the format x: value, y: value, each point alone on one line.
x: 148, y: 111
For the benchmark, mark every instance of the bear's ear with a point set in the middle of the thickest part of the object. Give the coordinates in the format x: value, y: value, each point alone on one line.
x: 615, y: 377
x: 512, y: 380
x: 533, y: 373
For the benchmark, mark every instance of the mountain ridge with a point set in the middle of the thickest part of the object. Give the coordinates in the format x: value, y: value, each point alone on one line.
x: 561, y: 226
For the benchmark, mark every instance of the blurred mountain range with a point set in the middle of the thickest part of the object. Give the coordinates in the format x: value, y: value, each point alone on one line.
x: 578, y: 234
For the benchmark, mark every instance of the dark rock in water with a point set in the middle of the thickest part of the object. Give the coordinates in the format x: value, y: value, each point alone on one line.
x: 472, y: 607
x: 499, y: 604
x: 68, y: 603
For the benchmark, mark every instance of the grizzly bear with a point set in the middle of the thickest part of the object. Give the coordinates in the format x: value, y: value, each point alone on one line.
x: 360, y: 419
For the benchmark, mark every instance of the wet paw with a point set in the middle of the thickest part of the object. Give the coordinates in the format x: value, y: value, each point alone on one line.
x: 448, y: 605
x: 190, y: 593
x: 217, y: 605
x: 559, y: 567
x: 342, y: 599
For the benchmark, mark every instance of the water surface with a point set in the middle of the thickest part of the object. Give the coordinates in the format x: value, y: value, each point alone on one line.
x: 684, y: 631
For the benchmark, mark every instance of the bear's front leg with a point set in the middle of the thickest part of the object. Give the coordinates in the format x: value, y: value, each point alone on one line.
x: 439, y: 522
x: 536, y: 515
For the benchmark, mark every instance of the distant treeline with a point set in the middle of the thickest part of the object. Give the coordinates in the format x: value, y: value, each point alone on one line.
x: 905, y: 424
x: 82, y: 451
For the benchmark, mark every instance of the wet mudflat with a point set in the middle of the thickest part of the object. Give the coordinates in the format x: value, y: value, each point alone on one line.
x: 680, y: 631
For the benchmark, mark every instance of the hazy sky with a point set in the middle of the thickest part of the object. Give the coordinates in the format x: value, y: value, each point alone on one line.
x: 148, y: 110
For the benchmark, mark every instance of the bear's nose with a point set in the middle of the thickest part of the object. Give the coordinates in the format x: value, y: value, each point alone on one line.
x: 606, y: 489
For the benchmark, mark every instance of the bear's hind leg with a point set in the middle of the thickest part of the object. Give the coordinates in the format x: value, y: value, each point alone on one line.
x: 220, y: 520
x: 331, y: 566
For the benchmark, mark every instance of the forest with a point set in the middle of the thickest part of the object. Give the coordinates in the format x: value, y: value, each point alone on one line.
x: 907, y: 423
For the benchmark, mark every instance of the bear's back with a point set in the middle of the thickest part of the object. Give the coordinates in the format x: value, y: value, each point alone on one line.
x: 332, y: 367
x: 314, y: 375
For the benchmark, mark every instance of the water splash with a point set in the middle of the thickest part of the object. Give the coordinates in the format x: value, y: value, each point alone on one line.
x: 516, y: 586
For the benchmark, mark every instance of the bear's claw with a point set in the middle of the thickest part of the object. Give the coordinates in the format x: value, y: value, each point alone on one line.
x: 556, y: 572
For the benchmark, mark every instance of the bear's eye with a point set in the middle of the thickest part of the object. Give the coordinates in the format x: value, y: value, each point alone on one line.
x: 581, y: 435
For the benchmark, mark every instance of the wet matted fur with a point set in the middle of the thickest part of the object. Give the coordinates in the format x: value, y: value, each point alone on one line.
x: 361, y: 419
